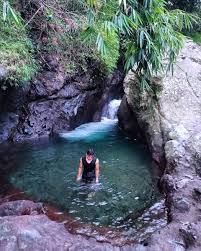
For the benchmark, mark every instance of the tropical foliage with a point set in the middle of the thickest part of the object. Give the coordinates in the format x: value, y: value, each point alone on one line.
x: 187, y: 5
x: 16, y: 50
x: 191, y: 6
x: 147, y: 31
x: 55, y: 26
x: 143, y: 32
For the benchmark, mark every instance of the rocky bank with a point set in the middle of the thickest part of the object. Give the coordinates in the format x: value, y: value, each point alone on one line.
x: 169, y: 121
x: 55, y: 101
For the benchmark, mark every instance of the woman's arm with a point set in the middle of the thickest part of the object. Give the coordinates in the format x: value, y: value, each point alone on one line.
x: 80, y: 170
x: 97, y: 171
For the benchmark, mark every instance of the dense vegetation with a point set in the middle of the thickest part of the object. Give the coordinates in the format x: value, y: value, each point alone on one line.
x: 48, y: 27
x: 55, y: 28
x: 192, y: 6
x: 16, y: 49
x: 142, y: 32
x: 147, y: 30
x: 187, y: 5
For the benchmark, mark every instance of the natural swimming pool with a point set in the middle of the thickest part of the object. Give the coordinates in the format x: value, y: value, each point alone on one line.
x: 47, y: 172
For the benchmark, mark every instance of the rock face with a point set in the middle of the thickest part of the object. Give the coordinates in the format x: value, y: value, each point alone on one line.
x: 20, y: 207
x: 22, y: 230
x: 54, y: 102
x: 170, y: 123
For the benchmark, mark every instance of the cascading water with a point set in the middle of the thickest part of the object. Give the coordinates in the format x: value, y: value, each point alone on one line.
x: 110, y: 110
x: 96, y: 130
x: 47, y: 172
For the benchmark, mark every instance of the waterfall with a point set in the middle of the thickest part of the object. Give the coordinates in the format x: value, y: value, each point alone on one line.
x: 110, y: 110
x: 96, y: 130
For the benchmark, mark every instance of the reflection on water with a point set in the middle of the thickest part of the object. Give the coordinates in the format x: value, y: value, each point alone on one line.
x: 47, y: 172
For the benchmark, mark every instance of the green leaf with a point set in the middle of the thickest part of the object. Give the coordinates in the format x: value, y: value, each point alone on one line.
x: 101, y: 44
x: 124, y: 4
x: 147, y: 31
x: 5, y: 10
x: 88, y: 35
x: 14, y: 16
x: 109, y: 26
x: 141, y: 38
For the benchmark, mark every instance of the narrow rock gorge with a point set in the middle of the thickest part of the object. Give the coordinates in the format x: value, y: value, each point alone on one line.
x: 61, y: 65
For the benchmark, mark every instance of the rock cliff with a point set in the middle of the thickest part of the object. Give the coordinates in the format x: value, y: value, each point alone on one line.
x: 55, y: 101
x: 170, y: 124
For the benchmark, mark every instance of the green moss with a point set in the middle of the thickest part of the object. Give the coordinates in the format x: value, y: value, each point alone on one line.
x: 16, y: 53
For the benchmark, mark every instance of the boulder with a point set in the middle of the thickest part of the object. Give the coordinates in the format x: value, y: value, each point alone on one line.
x: 20, y: 207
x: 174, y: 112
x: 31, y: 233
x: 170, y: 122
x: 130, y: 127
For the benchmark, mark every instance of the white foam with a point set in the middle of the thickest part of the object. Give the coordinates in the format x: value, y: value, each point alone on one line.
x: 95, y: 130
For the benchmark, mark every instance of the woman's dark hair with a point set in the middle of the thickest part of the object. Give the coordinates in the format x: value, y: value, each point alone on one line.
x: 90, y: 152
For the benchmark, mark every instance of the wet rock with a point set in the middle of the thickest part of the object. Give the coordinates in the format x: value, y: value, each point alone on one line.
x: 47, y: 117
x: 68, y: 91
x: 8, y: 122
x: 11, y: 102
x: 46, y: 84
x: 20, y: 207
x: 129, y: 126
x: 181, y: 205
x: 37, y: 232
x: 48, y: 105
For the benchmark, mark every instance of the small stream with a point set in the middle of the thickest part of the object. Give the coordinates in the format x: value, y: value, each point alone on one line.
x: 127, y: 198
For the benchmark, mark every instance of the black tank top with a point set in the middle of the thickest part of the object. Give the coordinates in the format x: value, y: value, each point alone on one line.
x: 89, y: 168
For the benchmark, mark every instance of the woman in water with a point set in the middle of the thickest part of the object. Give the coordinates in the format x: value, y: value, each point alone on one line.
x: 88, y: 169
